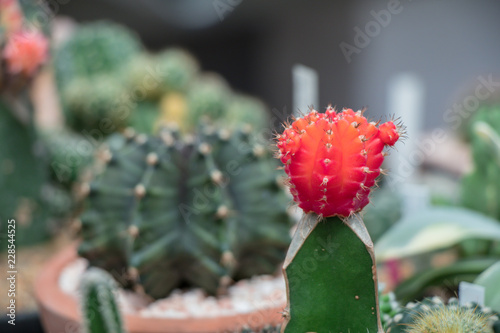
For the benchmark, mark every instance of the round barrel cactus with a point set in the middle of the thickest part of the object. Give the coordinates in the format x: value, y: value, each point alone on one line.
x: 174, y: 211
x: 90, y: 71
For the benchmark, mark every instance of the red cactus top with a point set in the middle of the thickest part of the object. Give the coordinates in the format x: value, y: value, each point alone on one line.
x: 333, y: 159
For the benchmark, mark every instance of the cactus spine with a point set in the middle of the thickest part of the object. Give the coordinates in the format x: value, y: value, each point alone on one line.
x: 332, y: 160
x: 100, y: 310
x: 195, y: 211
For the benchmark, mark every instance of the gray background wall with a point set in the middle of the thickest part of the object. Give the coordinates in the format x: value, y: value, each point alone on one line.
x: 446, y: 43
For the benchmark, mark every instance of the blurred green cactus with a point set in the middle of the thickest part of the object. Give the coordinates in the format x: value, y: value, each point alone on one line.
x: 432, y: 315
x: 171, y: 211
x: 89, y: 69
x: 388, y: 306
x: 100, y: 310
x: 23, y: 175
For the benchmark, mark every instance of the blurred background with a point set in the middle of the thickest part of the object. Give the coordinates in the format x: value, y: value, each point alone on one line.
x: 433, y: 65
x: 445, y: 44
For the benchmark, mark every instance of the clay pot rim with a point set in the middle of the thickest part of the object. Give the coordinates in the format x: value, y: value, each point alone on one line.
x: 52, y: 298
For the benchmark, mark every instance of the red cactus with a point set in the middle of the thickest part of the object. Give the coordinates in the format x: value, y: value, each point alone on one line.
x: 25, y: 52
x: 333, y: 159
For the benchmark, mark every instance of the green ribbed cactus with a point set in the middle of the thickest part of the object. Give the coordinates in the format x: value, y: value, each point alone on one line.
x: 90, y: 71
x: 169, y: 212
x: 433, y: 316
x: 100, y: 311
x: 481, y: 188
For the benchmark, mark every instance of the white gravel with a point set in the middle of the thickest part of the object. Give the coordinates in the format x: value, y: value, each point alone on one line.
x: 258, y: 293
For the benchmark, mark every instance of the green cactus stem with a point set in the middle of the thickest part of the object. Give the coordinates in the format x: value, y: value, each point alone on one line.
x: 331, y: 278
x: 100, y: 310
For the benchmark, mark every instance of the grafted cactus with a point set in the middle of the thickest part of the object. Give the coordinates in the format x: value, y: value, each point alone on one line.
x: 332, y: 160
x: 170, y: 212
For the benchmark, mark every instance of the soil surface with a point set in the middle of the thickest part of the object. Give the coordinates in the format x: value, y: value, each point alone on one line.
x: 245, y: 296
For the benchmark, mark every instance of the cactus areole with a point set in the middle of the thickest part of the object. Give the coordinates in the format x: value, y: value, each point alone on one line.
x: 333, y: 159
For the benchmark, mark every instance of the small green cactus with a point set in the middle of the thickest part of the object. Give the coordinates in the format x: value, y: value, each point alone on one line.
x: 95, y: 49
x: 388, y: 307
x: 195, y: 211
x: 100, y: 310
x: 90, y: 72
x: 100, y: 103
x: 432, y: 315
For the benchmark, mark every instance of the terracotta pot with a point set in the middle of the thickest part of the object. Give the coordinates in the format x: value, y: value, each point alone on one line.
x: 60, y: 312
